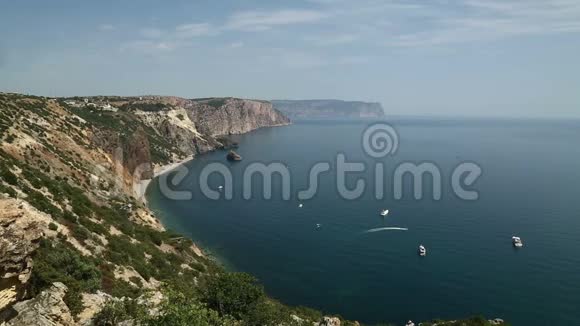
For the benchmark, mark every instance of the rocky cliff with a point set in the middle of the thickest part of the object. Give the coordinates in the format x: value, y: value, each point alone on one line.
x: 67, y: 211
x: 329, y: 109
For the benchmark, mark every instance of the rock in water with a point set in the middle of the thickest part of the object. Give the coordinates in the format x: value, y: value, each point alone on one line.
x: 233, y: 156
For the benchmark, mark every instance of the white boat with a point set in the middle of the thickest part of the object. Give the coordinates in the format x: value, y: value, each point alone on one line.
x: 220, y: 187
x: 384, y: 212
x: 422, y: 250
x: 300, y: 205
x: 318, y: 225
x: 517, y: 241
x: 410, y: 323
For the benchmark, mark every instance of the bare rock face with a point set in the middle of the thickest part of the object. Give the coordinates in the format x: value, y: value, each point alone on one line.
x: 227, y: 116
x: 21, y: 228
x: 233, y: 156
x: 194, y: 126
x: 46, y: 309
x: 93, y: 303
x: 137, y: 154
x: 329, y: 321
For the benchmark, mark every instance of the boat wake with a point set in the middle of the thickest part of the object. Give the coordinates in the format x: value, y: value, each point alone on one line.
x: 386, y: 229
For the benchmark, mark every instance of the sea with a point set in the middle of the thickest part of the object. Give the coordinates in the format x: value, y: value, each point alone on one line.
x: 480, y: 181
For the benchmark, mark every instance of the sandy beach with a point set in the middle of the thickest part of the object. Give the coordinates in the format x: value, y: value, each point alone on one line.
x: 140, y: 188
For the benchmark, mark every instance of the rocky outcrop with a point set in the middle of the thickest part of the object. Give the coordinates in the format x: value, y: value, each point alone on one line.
x: 137, y: 154
x: 46, y: 309
x: 227, y: 116
x: 93, y: 303
x: 233, y: 156
x: 21, y: 228
x: 198, y: 126
x: 329, y: 321
x: 329, y: 109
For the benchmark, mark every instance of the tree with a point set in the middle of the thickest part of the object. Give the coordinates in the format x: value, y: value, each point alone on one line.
x: 234, y: 294
x: 178, y: 310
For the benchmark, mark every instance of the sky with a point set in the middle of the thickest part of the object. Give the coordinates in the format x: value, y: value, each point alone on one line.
x: 430, y: 57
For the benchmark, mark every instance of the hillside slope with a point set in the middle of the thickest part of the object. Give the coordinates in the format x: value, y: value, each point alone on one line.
x: 67, y: 211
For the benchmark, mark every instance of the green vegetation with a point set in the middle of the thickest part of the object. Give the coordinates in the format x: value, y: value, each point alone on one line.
x: 52, y: 226
x: 144, y: 106
x: 215, y: 102
x: 179, y: 310
x: 57, y: 262
x: 234, y: 294
x: 116, y: 312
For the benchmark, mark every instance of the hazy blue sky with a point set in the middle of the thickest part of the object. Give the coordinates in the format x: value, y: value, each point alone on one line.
x: 473, y: 57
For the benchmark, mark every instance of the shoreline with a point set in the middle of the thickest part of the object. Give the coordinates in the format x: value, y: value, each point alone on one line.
x: 140, y: 188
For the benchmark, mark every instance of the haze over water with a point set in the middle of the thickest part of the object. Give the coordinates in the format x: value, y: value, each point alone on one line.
x: 530, y: 187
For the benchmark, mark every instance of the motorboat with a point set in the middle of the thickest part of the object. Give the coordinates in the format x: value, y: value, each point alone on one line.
x: 517, y: 241
x: 422, y: 250
x: 300, y: 205
x: 384, y: 212
x: 318, y: 225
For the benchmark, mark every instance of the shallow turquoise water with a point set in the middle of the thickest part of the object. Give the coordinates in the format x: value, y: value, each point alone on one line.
x: 530, y: 186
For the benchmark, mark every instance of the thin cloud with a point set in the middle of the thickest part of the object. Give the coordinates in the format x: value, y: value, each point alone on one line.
x: 194, y: 30
x: 265, y: 20
x: 150, y: 47
x: 105, y: 28
x: 151, y: 32
x: 235, y: 45
x: 329, y: 40
x: 484, y: 21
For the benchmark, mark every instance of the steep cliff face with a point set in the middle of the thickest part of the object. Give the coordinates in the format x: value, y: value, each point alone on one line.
x: 194, y: 126
x: 228, y: 116
x: 329, y: 109
x: 145, y: 131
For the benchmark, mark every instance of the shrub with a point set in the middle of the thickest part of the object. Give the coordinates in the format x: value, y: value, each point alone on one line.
x: 52, y: 226
x: 234, y: 294
x: 267, y: 313
x: 123, y: 289
x: 179, y: 310
x: 57, y: 262
x: 8, y: 190
x: 8, y: 176
x: 116, y: 312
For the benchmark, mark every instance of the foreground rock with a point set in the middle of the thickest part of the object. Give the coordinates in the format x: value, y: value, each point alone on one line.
x: 233, y: 156
x: 21, y: 227
x: 46, y: 309
x: 329, y: 321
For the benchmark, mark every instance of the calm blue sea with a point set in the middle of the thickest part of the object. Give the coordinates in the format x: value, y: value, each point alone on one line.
x: 530, y: 187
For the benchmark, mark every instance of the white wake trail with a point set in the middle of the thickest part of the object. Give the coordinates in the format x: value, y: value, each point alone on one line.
x: 386, y: 229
